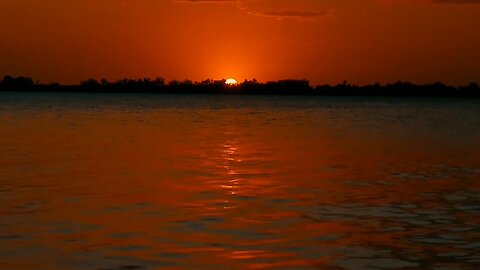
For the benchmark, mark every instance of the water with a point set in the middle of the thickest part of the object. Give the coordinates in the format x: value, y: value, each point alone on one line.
x: 227, y: 182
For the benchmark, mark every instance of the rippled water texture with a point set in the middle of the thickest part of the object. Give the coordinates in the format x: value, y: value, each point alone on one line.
x: 222, y: 182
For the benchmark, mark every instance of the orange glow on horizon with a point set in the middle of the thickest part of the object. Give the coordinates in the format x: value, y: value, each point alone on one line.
x: 322, y: 41
x: 231, y: 82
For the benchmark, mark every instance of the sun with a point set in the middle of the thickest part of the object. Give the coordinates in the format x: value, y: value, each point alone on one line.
x: 231, y: 81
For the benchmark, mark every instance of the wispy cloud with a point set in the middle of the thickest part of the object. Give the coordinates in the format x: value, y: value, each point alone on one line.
x: 456, y: 1
x: 206, y: 1
x: 297, y: 10
x: 453, y: 2
x: 295, y: 14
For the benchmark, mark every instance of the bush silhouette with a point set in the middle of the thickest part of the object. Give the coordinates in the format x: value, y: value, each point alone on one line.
x: 250, y: 87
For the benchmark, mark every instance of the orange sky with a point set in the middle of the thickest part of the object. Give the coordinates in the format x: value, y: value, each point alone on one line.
x: 325, y: 41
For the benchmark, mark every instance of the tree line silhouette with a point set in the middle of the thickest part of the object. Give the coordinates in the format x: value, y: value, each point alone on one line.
x: 250, y: 87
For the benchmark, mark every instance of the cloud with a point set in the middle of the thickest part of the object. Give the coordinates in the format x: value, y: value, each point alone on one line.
x: 453, y: 2
x: 293, y: 14
x: 306, y: 10
x: 456, y: 1
x: 276, y: 13
x: 206, y: 1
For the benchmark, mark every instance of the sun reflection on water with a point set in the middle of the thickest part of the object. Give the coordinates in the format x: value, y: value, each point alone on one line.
x: 230, y: 158
x: 238, y: 190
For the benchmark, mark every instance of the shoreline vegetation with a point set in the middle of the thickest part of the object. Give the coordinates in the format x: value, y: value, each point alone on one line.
x: 247, y: 87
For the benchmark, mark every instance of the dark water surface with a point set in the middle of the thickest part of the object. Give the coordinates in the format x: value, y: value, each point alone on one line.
x: 235, y: 182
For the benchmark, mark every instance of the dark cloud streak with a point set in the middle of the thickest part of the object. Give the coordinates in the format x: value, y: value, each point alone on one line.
x: 456, y: 1
x: 277, y: 14
x: 206, y: 1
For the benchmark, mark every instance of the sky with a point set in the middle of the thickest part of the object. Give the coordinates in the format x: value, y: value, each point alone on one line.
x: 324, y: 41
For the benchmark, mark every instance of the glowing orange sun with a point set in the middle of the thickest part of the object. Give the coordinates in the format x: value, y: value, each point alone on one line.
x: 231, y: 82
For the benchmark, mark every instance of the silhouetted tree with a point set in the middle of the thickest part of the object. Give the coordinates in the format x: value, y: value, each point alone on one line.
x: 282, y: 87
x: 19, y: 83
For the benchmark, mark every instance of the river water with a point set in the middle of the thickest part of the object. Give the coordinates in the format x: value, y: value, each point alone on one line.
x: 98, y: 181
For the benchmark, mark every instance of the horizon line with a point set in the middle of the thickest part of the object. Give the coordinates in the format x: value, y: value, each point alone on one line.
x: 167, y: 82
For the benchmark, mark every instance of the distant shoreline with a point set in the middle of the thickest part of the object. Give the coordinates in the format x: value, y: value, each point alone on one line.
x: 282, y: 87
